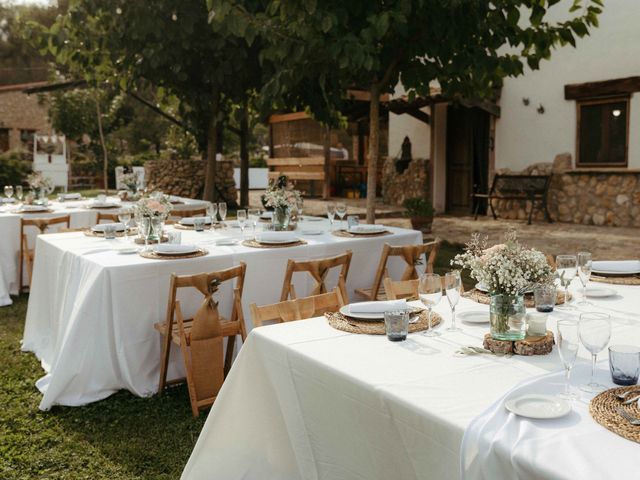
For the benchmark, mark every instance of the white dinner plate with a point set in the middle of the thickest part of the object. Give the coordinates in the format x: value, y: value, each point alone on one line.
x: 538, y: 406
x: 481, y: 287
x: 8, y: 200
x: 101, y: 227
x: 312, y: 219
x: 600, y: 292
x: 367, y: 229
x: 103, y: 205
x: 311, y: 232
x: 346, y: 311
x: 33, y: 208
x: 474, y: 316
x: 266, y: 215
x: 127, y: 250
x: 190, y: 221
x: 175, y: 249
x: 616, y: 267
x: 274, y: 241
x: 226, y: 242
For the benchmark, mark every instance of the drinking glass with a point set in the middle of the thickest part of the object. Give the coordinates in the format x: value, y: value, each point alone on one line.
x: 175, y: 237
x: 544, y: 296
x: 566, y: 268
x: 199, y: 223
x: 397, y: 325
x: 341, y: 210
x: 568, y: 343
x: 8, y: 191
x: 124, y: 216
x: 299, y: 205
x: 584, y: 273
x: 624, y: 363
x: 222, y: 210
x: 430, y: 293
x: 595, y: 332
x: 242, y: 220
x: 212, y: 210
x: 452, y: 284
x: 254, y: 216
x: 110, y: 231
x: 101, y: 198
x: 19, y: 193
x: 331, y: 213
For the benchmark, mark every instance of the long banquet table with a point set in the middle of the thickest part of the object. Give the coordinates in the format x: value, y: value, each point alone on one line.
x: 81, y: 216
x: 91, y: 310
x: 305, y: 401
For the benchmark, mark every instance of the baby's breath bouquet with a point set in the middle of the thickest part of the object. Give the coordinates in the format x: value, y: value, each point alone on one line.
x: 158, y: 206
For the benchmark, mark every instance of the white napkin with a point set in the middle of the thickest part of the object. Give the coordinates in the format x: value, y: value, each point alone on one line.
x: 282, y: 237
x: 100, y: 227
x: 617, y: 266
x: 192, y: 220
x: 71, y: 196
x: 378, y: 307
x: 367, y: 228
x: 169, y: 248
x: 7, y: 200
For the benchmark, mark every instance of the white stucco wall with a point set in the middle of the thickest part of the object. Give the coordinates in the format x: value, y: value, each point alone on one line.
x: 406, y: 125
x: 612, y: 51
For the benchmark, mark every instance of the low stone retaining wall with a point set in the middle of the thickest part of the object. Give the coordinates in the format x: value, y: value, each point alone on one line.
x: 185, y: 178
x: 397, y: 187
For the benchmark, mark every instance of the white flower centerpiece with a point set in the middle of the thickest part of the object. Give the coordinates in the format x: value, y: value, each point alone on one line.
x: 151, y: 213
x: 282, y: 197
x: 40, y: 185
x: 507, y: 271
x: 131, y: 181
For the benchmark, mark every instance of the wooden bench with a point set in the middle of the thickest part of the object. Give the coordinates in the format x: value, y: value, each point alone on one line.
x: 531, y: 188
x: 300, y: 168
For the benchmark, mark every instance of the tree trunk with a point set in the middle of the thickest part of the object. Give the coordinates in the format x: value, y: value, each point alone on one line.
x: 210, y: 193
x: 244, y: 156
x: 105, y: 159
x: 372, y: 168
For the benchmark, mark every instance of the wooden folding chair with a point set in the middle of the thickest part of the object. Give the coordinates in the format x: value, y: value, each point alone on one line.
x: 396, y: 290
x: 200, y: 338
x: 109, y: 217
x: 196, y: 212
x: 298, y: 309
x: 28, y: 255
x: 411, y: 255
x: 318, y: 269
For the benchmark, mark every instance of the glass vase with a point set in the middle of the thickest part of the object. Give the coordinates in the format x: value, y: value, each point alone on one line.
x: 152, y: 228
x: 281, y: 217
x: 508, y: 317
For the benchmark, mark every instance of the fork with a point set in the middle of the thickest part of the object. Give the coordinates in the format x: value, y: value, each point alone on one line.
x: 628, y: 417
x: 624, y: 395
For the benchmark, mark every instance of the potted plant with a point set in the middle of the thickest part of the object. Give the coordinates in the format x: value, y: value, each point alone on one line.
x: 420, y: 211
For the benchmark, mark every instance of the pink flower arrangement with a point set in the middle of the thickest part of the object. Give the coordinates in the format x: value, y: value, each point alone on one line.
x: 158, y: 206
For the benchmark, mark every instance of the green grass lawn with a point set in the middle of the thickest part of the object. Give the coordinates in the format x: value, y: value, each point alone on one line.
x: 121, y: 437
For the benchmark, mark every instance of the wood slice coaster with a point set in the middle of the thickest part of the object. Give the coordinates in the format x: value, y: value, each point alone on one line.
x: 344, y: 233
x: 603, y: 408
x: 368, y: 327
x: 154, y: 256
x: 633, y: 280
x: 529, y: 301
x: 256, y: 244
x: 527, y: 347
x: 91, y: 233
x: 140, y: 241
x: 33, y: 212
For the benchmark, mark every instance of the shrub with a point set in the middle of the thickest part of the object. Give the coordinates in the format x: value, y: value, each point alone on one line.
x: 418, y: 207
x: 13, y: 169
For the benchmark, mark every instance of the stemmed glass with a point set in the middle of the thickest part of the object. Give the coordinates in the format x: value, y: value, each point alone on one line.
x: 242, y: 220
x: 584, y: 273
x: 212, y: 210
x: 595, y: 332
x: 222, y: 210
x: 452, y: 284
x: 299, y: 205
x: 19, y: 193
x: 254, y: 215
x: 331, y: 213
x: 124, y: 216
x: 568, y: 342
x: 341, y: 210
x: 566, y: 267
x: 430, y: 293
x: 8, y: 191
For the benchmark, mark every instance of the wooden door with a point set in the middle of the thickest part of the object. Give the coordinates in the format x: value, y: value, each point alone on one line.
x: 4, y: 140
x: 467, y: 157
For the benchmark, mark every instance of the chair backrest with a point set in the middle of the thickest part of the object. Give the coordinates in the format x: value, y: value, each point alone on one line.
x: 411, y: 254
x: 195, y: 212
x: 318, y: 269
x: 43, y: 224
x: 297, y: 309
x: 396, y: 290
x: 109, y: 217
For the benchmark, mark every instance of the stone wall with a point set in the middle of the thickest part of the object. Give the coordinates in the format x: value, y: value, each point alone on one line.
x: 186, y: 178
x: 19, y: 111
x: 598, y: 196
x: 396, y: 187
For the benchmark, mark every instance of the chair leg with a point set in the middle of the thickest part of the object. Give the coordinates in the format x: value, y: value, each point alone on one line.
x: 231, y: 343
x: 164, y: 359
x: 493, y: 212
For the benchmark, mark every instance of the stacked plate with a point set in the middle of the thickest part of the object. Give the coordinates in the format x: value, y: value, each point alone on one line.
x: 276, y: 238
x: 374, y: 311
x: 103, y: 205
x: 34, y: 208
x: 70, y: 196
x: 171, y: 249
x: 190, y: 221
x: 367, y: 229
x: 613, y: 268
x: 101, y: 227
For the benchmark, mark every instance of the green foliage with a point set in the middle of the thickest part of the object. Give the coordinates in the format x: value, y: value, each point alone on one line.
x: 13, y: 169
x: 418, y: 207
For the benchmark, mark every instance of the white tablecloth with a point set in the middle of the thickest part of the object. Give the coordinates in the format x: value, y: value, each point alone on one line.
x: 305, y: 401
x: 81, y: 216
x: 91, y: 311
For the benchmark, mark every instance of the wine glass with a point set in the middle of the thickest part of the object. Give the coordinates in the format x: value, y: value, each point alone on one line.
x: 222, y: 210
x: 212, y: 210
x: 331, y: 213
x: 566, y: 268
x: 19, y: 193
x: 452, y: 284
x: 254, y: 216
x: 584, y: 273
x: 299, y: 205
x: 430, y: 293
x: 124, y: 216
x: 341, y: 210
x: 8, y: 191
x: 568, y: 343
x: 242, y: 220
x: 595, y: 332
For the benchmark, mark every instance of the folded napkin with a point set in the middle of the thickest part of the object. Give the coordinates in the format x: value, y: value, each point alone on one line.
x: 378, y: 307
x: 71, y: 196
x: 282, y: 237
x: 617, y: 266
x: 192, y: 220
x: 101, y: 227
x: 172, y: 248
x: 367, y: 228
x: 7, y: 200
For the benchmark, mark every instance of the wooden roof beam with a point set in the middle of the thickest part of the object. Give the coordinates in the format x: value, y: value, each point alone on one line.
x: 606, y: 88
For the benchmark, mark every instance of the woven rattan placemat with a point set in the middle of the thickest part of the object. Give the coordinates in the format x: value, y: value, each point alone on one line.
x: 33, y: 212
x: 153, y: 255
x: 633, y: 280
x: 344, y: 233
x: 529, y: 302
x: 352, y: 325
x: 91, y: 233
x: 140, y: 241
x: 179, y: 226
x: 256, y: 244
x: 603, y: 408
